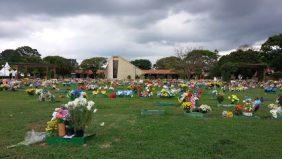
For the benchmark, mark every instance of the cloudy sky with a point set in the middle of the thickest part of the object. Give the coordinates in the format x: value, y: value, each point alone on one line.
x: 135, y: 29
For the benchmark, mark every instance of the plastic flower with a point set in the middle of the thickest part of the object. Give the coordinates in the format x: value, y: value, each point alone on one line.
x: 205, y: 108
x: 186, y: 105
x: 95, y: 110
x: 233, y: 98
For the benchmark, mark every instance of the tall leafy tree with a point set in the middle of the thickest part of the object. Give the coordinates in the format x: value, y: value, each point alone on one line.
x: 144, y: 64
x: 195, y: 61
x: 94, y: 64
x: 24, y: 54
x: 63, y: 66
x: 170, y: 62
x: 27, y: 51
x: 232, y: 63
x: 271, y: 52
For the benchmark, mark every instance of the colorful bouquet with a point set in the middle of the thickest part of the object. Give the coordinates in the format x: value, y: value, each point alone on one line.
x: 46, y: 96
x: 248, y: 109
x: 233, y: 99
x: 188, y: 101
x: 165, y: 93
x: 30, y: 91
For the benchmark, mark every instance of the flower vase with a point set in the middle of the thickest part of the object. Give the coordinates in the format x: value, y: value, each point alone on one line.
x: 61, y: 129
x: 79, y: 133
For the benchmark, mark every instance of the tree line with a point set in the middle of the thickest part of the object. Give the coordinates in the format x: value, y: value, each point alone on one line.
x: 187, y: 62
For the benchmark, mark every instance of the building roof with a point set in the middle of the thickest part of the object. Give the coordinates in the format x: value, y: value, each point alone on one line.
x: 88, y: 72
x: 101, y: 71
x: 156, y: 72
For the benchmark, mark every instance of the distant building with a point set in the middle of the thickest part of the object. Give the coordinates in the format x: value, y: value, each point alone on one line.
x: 119, y: 68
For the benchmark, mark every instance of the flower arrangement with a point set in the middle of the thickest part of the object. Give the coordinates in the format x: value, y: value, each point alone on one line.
x: 275, y: 110
x: 186, y: 106
x: 56, y: 126
x: 183, y: 87
x: 188, y: 101
x: 30, y: 91
x: 233, y: 99
x: 166, y: 93
x: 227, y: 114
x: 112, y: 95
x: 46, y: 96
x: 125, y: 93
x: 4, y: 86
x: 100, y: 92
x: 238, y: 109
x: 38, y: 91
x: 52, y: 127
x: 95, y: 92
x: 73, y: 94
x: 248, y: 108
x: 81, y: 113
x: 272, y: 106
x: 204, y: 108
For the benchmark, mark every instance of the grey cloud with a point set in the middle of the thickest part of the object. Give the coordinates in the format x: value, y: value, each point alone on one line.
x: 221, y: 24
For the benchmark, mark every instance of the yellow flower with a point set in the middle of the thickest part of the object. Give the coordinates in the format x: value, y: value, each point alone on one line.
x: 186, y: 105
x: 103, y: 91
x: 95, y: 92
x: 229, y: 114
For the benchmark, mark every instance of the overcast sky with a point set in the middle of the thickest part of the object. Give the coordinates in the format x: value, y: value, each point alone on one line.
x: 135, y: 29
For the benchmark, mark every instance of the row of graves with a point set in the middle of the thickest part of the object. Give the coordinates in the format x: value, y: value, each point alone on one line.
x: 68, y: 121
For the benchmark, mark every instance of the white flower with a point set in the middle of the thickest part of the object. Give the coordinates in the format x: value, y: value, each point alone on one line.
x: 91, y: 103
x: 102, y: 124
x: 88, y: 107
x: 95, y: 110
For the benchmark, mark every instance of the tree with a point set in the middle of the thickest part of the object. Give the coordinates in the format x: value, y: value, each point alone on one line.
x: 63, y: 66
x: 271, y: 52
x: 231, y: 63
x: 24, y: 54
x: 11, y: 55
x: 170, y: 62
x: 193, y: 60
x: 143, y: 64
x: 27, y: 51
x: 94, y: 64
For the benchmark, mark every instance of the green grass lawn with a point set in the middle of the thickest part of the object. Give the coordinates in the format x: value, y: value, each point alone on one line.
x: 127, y: 134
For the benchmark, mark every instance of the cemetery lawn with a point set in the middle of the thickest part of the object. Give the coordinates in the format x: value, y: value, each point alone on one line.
x: 127, y: 134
